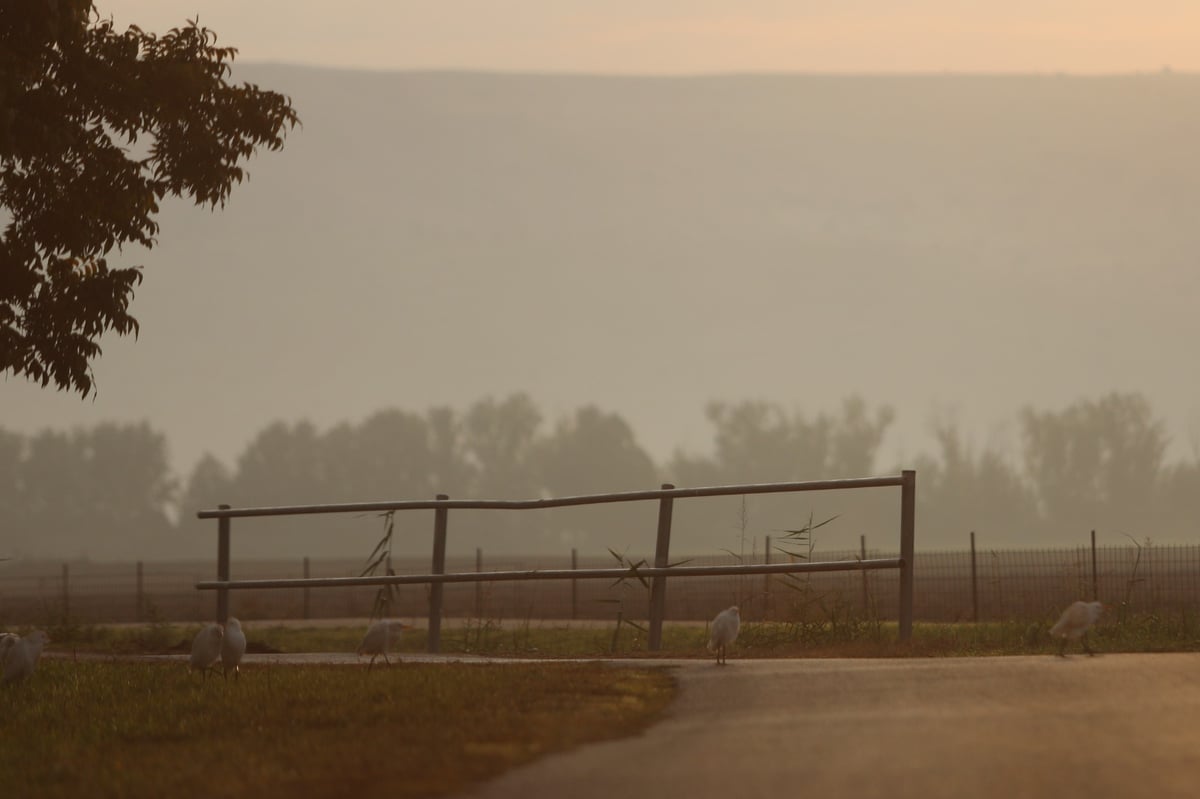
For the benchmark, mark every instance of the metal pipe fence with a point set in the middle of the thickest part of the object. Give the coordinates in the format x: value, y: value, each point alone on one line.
x: 437, y: 578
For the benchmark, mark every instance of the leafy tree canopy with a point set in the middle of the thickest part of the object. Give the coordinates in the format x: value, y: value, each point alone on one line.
x: 77, y: 98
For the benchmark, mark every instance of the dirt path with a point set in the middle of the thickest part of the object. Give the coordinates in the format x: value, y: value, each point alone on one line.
x: 1109, y: 726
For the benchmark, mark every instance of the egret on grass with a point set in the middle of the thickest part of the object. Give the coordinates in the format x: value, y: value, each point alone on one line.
x: 1074, y: 624
x: 379, y: 638
x: 233, y: 646
x: 20, y: 655
x: 723, y: 632
x: 206, y: 648
x: 7, y: 642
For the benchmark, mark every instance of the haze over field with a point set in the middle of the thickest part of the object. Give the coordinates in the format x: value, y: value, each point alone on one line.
x: 983, y: 218
x: 957, y: 247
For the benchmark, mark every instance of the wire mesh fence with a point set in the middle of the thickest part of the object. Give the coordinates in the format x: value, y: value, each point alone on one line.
x: 1004, y: 584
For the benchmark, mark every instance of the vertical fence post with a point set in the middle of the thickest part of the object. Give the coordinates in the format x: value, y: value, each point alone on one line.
x: 1095, y: 579
x: 862, y: 554
x: 767, y: 579
x: 66, y: 592
x: 478, y: 586
x: 223, y: 565
x: 908, y: 522
x: 439, y: 567
x: 974, y: 583
x: 140, y: 608
x: 307, y: 574
x: 574, y: 587
x: 658, y: 588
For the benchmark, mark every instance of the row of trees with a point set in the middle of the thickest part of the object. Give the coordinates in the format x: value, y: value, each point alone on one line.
x: 108, y: 491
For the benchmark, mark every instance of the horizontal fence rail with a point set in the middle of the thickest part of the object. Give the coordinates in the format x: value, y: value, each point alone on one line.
x: 558, y: 502
x: 558, y: 574
x: 658, y: 573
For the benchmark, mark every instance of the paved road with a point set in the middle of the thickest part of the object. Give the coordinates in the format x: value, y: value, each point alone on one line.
x: 1013, y: 727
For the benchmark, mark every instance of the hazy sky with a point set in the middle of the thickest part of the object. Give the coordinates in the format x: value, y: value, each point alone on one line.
x: 650, y: 36
x: 697, y: 36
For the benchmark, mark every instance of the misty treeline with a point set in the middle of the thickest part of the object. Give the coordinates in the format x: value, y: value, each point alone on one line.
x: 108, y: 492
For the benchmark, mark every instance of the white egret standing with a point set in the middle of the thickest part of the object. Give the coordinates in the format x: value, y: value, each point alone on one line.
x: 1074, y: 624
x: 206, y: 648
x: 21, y: 655
x: 379, y: 638
x: 7, y: 640
x: 233, y: 646
x: 723, y: 631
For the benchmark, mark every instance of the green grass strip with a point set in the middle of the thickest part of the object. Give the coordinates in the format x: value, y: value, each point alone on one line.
x: 126, y: 729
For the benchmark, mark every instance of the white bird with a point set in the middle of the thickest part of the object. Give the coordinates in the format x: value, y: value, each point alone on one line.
x: 7, y: 642
x: 206, y: 648
x: 20, y: 655
x: 233, y: 646
x: 723, y: 631
x: 1074, y: 624
x: 379, y: 638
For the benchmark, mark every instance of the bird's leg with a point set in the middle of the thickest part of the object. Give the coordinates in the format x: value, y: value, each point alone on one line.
x: 1086, y: 648
x: 372, y: 663
x: 1062, y: 646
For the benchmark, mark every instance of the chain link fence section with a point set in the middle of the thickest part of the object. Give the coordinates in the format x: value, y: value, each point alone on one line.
x: 1007, y: 585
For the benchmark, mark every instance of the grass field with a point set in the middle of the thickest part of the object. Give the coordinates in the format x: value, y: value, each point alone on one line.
x: 127, y: 729
x: 124, y: 728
